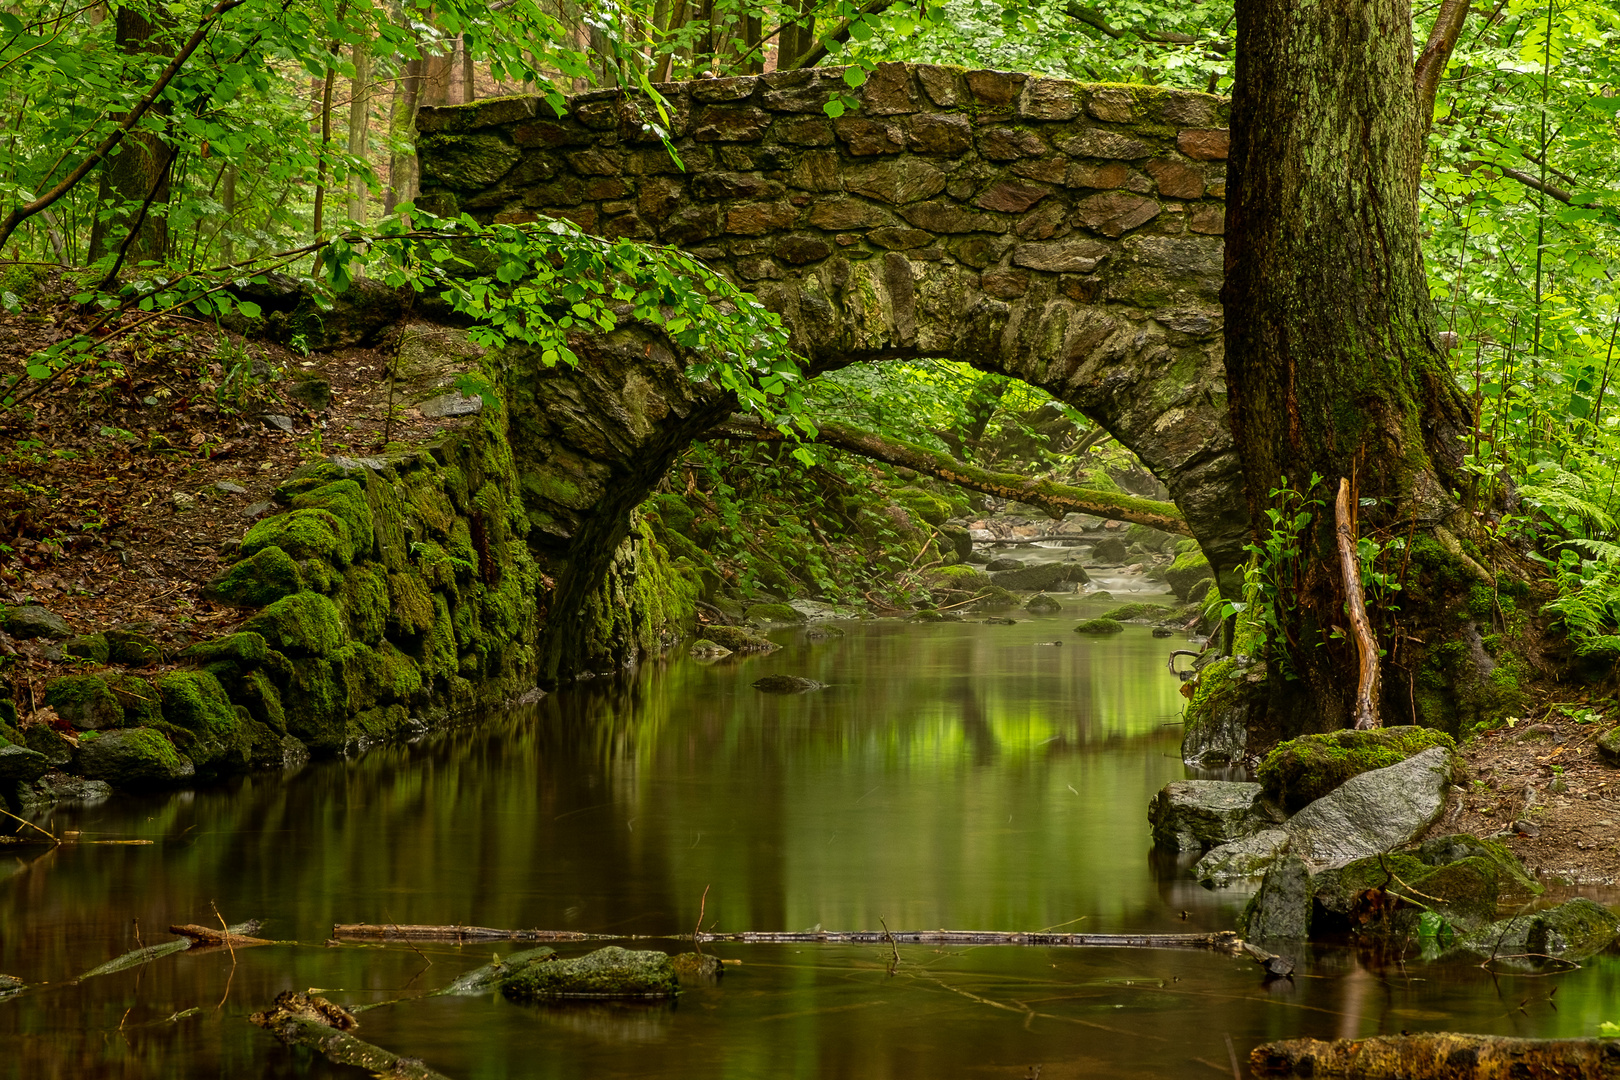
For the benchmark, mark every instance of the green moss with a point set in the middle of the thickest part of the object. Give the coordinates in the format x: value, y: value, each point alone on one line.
x: 995, y: 598
x: 140, y: 700
x: 92, y: 647
x: 303, y: 534
x: 379, y: 724
x: 134, y: 758
x: 923, y: 505
x: 429, y: 505
x: 263, y: 578
x: 85, y: 701
x: 737, y: 639
x: 1302, y: 770
x: 410, y: 610
x: 254, y: 692
x: 1189, y: 568
x: 1441, y: 850
x: 315, y: 705
x: 1137, y: 613
x: 364, y: 602
x: 244, y: 649
x: 606, y: 973
x: 960, y: 578
x: 346, y: 501
x: 388, y: 523
x: 196, y: 703
x: 320, y: 576
x: 306, y: 624
x: 1099, y: 627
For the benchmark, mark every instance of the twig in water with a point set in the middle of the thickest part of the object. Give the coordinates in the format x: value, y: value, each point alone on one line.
x: 1231, y: 1052
x: 698, y: 929
x: 139, y: 944
x: 408, y: 941
x: 892, y: 945
x: 31, y: 825
x: 228, y: 943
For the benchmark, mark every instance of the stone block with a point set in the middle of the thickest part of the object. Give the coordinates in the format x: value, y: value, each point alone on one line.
x: 1205, y: 145
x: 729, y: 123
x: 995, y: 88
x: 867, y: 137
x: 1115, y: 213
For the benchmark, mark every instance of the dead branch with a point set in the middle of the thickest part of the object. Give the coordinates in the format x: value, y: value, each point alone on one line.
x: 1436, y: 1056
x: 1367, y: 686
x: 207, y: 935
x: 307, y: 1020
x: 395, y: 932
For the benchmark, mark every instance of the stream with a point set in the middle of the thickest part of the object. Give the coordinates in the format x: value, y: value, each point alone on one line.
x: 958, y: 775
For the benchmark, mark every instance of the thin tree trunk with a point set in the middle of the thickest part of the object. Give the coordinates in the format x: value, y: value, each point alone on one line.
x: 359, y: 126
x: 227, y: 199
x: 326, y: 145
x: 402, y: 164
x: 136, y: 177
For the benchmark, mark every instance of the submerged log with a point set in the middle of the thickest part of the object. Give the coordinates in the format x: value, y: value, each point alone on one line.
x: 309, y: 1020
x: 396, y: 932
x: 1224, y: 939
x: 1439, y: 1056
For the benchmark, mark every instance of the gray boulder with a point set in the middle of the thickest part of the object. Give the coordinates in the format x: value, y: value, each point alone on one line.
x: 1195, y: 815
x: 1374, y: 812
x: 33, y: 621
x: 1282, y: 907
x: 1049, y: 577
x: 21, y: 763
x: 1242, y: 859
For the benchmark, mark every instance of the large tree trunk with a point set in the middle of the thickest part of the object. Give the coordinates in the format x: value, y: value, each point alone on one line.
x: 1333, y: 361
x: 136, y: 178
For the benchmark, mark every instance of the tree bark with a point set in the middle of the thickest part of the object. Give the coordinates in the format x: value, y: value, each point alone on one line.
x: 1334, y: 365
x: 136, y: 178
x: 1056, y: 499
x: 359, y: 126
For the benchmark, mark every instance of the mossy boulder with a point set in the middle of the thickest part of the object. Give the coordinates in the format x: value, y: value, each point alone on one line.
x: 738, y: 639
x: 133, y: 758
x: 140, y: 700
x: 304, y: 624
x: 1100, y: 627
x: 52, y: 744
x: 19, y: 763
x: 1572, y: 930
x: 244, y: 649
x: 606, y: 973
x: 92, y: 647
x: 1510, y: 872
x: 195, y: 703
x: 132, y: 647
x: 774, y: 613
x: 364, y: 602
x: 1387, y: 894
x: 309, y: 533
x: 1302, y: 770
x: 1189, y: 568
x: 956, y: 578
x: 786, y: 684
x: 1041, y: 604
x: 925, y: 506
x: 1608, y: 745
x: 994, y: 598
x: 346, y: 501
x: 85, y: 701
x: 1139, y: 613
x: 315, y: 705
x: 1217, y: 719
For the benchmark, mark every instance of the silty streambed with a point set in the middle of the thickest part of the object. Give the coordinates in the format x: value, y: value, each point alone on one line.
x: 955, y: 775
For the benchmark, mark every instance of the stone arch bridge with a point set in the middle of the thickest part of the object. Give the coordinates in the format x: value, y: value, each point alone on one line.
x: 1064, y: 234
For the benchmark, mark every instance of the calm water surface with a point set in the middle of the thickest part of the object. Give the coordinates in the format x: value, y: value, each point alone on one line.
x: 951, y: 775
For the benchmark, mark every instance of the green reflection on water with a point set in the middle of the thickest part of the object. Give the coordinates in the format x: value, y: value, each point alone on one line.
x: 956, y: 775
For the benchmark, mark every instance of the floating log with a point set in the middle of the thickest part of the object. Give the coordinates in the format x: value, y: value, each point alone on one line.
x: 1438, y: 1055
x: 1224, y: 940
x: 396, y: 932
x: 207, y: 935
x: 312, y: 1021
x: 136, y: 958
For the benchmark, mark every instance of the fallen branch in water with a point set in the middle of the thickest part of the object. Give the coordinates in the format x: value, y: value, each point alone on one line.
x: 395, y: 932
x: 307, y: 1020
x: 1437, y: 1055
x: 207, y: 935
x: 1225, y: 939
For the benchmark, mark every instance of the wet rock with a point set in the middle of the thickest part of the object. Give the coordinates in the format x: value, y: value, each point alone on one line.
x: 1047, y: 577
x: 1302, y: 770
x: 1195, y: 815
x: 91, y: 647
x: 1109, y: 551
x: 33, y: 621
x: 1099, y: 627
x: 738, y: 640
x: 606, y: 973
x: 10, y: 984
x: 823, y: 633
x: 1282, y: 907
x: 85, y: 701
x: 995, y: 565
x: 1041, y: 604
x: 1373, y: 812
x: 1250, y: 857
x: 487, y: 978
x: 1608, y: 745
x: 704, y: 649
x: 691, y: 967
x: 133, y: 647
x: 786, y: 684
x: 134, y: 757
x: 774, y: 613
x: 21, y: 763
x: 59, y: 787
x: 277, y: 421
x: 1189, y: 568
x: 453, y: 404
x: 997, y: 620
x: 43, y: 739
x: 1572, y: 930
x: 1200, y: 589
x: 1163, y: 631
x: 1384, y: 895
x: 1217, y: 731
x: 1137, y: 613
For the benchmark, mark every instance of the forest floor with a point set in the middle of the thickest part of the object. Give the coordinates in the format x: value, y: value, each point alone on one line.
x: 124, y: 493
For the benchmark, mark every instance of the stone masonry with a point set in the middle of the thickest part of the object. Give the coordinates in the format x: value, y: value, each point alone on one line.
x: 1064, y: 234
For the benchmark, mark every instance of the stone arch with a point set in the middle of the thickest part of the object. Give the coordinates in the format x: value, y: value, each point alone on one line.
x: 1066, y: 235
